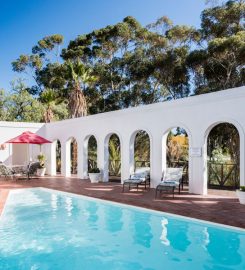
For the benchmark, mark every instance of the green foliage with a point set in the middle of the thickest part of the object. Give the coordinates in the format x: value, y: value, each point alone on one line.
x: 224, y: 143
x: 21, y: 106
x: 41, y: 158
x: 242, y: 188
x: 127, y: 64
x: 94, y: 170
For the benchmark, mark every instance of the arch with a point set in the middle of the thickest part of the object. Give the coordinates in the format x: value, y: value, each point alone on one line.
x: 207, y: 132
x: 176, y: 150
x: 108, y: 164
x: 87, y: 162
x: 72, y: 154
x: 56, y: 157
x: 132, y: 148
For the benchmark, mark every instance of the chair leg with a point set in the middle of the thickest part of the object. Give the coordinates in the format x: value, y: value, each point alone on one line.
x: 156, y: 193
x: 123, y: 188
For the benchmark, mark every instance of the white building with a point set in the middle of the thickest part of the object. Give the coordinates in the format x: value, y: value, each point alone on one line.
x: 197, y: 115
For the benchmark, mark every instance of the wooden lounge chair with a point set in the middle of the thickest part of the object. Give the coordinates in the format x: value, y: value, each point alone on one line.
x: 171, y: 179
x: 141, y: 177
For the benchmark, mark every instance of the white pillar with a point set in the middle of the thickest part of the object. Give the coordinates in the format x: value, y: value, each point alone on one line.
x: 157, y: 158
x: 242, y: 159
x: 50, y: 150
x: 66, y: 158
x: 101, y: 159
x: 127, y: 158
x: 80, y: 162
x: 197, y: 163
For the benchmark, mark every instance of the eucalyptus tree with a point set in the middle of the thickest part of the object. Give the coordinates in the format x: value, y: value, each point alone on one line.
x: 21, y: 105
x: 34, y: 63
x: 219, y: 62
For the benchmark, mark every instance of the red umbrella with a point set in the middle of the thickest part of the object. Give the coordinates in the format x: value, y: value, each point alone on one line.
x: 28, y: 137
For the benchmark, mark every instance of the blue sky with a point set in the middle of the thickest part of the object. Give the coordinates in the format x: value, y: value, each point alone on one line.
x: 24, y: 22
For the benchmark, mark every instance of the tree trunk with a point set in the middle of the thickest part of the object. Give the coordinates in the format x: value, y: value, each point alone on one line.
x: 77, y: 103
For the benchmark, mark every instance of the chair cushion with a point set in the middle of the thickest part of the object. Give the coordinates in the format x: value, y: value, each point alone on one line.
x: 169, y: 183
x: 138, y: 176
x: 133, y: 181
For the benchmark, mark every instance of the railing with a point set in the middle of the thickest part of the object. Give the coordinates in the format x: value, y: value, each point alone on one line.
x: 141, y: 163
x: 223, y: 175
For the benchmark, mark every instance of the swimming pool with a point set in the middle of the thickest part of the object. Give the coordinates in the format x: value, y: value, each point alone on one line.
x: 46, y: 229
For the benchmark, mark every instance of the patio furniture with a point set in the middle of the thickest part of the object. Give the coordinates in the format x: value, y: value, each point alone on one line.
x: 6, y: 171
x: 32, y: 169
x: 171, y: 179
x: 141, y: 177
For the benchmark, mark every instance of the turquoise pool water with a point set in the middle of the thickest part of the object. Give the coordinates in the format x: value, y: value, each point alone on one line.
x: 44, y: 229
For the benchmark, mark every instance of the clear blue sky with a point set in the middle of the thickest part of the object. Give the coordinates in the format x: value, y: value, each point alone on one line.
x: 24, y: 22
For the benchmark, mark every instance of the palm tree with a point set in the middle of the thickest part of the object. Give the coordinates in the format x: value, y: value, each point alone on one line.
x: 80, y: 78
x: 48, y: 98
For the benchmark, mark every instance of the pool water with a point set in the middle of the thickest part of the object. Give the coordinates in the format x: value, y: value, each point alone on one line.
x: 45, y: 229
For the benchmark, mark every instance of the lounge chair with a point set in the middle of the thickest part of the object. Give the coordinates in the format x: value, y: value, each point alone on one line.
x: 32, y: 169
x: 171, y: 179
x: 6, y: 171
x: 141, y: 177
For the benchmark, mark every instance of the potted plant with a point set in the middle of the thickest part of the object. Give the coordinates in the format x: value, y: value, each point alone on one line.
x: 95, y: 175
x: 41, y: 170
x: 241, y: 194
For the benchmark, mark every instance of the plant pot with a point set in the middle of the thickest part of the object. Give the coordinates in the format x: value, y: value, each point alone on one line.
x: 241, y: 196
x: 95, y: 177
x: 41, y: 171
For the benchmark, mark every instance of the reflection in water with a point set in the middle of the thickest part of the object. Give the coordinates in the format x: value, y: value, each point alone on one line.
x: 93, y: 217
x: 163, y: 237
x: 205, y: 238
x: 54, y: 202
x: 113, y: 219
x: 142, y: 229
x: 68, y: 206
x: 229, y: 245
x: 177, y: 235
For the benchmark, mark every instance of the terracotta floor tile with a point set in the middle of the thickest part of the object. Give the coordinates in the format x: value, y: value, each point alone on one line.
x: 218, y: 206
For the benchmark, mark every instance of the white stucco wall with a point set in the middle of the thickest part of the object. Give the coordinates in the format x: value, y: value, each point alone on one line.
x: 17, y: 154
x: 197, y: 115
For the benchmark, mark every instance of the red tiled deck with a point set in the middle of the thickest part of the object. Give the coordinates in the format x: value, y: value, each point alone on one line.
x: 220, y: 207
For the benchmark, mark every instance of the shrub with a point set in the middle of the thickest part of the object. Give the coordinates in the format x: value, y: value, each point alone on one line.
x: 94, y: 170
x: 41, y: 158
x: 242, y: 188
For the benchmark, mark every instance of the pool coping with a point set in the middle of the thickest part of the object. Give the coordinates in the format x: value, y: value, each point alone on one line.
x: 143, y: 209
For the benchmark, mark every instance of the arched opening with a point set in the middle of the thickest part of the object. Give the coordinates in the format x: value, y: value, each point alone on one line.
x: 58, y: 157
x: 223, y: 157
x: 176, y: 146
x: 114, y: 151
x: 92, y: 153
x: 142, y: 150
x: 73, y: 156
x: 55, y: 164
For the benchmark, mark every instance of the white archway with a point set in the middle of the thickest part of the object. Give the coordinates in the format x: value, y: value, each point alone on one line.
x: 132, y: 148
x: 86, y: 161
x: 107, y: 155
x: 164, y: 149
x: 240, y: 131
